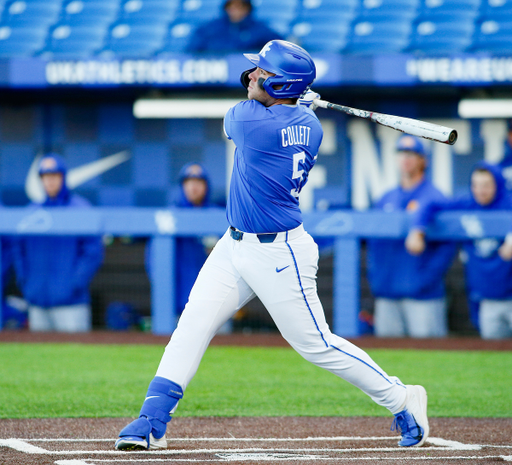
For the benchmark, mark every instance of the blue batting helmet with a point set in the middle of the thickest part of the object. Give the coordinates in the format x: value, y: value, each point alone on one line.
x: 293, y: 67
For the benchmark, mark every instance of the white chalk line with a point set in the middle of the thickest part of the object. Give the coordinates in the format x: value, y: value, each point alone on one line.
x: 298, y: 458
x: 232, y: 439
x: 235, y: 454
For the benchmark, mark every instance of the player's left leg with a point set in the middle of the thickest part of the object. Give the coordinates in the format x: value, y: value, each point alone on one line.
x: 291, y: 298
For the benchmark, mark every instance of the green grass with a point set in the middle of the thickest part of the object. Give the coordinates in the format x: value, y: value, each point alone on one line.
x: 73, y: 380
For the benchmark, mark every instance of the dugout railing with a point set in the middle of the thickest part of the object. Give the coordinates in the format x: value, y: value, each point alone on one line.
x: 348, y: 228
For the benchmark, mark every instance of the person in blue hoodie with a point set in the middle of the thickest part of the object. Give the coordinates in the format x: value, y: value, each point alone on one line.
x: 191, y: 252
x: 234, y: 31
x: 54, y: 272
x: 409, y: 290
x: 506, y: 163
x: 488, y: 264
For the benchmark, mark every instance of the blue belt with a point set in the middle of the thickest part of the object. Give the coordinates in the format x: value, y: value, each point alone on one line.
x: 265, y: 238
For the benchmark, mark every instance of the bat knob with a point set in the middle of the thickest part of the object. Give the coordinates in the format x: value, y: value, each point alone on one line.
x: 452, y: 138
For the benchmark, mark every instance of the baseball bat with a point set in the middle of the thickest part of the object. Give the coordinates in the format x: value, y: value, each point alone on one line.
x: 408, y: 125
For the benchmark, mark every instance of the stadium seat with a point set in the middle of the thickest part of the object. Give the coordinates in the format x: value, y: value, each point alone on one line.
x: 82, y: 12
x: 199, y: 11
x: 140, y: 11
x: 18, y: 41
x: 441, y: 37
x: 31, y: 14
x: 379, y: 37
x: 75, y: 41
x: 178, y: 37
x: 493, y: 36
x: 448, y: 10
x: 388, y: 10
x: 316, y: 37
x: 272, y: 11
x: 134, y: 40
x: 497, y: 10
x: 327, y: 11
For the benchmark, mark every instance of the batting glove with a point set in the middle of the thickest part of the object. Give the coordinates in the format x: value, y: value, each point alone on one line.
x: 307, y: 99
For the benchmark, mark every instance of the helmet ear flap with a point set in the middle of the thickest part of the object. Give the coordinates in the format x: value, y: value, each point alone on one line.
x: 244, y: 77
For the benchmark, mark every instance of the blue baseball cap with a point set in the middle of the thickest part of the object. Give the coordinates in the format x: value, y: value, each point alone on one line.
x: 411, y: 144
x: 193, y: 170
x: 51, y: 163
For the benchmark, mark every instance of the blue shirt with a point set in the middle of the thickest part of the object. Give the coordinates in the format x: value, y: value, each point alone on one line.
x: 393, y: 272
x: 488, y: 276
x: 276, y: 147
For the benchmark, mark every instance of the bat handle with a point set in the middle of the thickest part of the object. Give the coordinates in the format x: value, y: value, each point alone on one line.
x: 321, y: 103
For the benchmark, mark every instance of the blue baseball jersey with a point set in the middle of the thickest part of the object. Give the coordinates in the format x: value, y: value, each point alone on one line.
x: 276, y: 147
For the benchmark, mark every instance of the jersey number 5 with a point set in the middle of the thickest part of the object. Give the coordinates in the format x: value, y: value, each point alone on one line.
x: 298, y: 158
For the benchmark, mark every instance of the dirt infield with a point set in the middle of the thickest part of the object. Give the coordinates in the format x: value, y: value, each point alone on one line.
x: 256, y: 440
x: 255, y: 339
x: 89, y: 441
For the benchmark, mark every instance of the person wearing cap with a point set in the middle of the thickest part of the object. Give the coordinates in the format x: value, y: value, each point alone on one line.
x: 191, y: 252
x: 505, y: 164
x: 54, y: 272
x: 488, y: 270
x: 409, y: 290
x: 235, y: 30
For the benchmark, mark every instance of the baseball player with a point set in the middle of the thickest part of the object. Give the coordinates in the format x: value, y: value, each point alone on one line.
x: 266, y: 252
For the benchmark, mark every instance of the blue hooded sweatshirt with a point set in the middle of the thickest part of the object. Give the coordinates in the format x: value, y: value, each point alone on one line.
x: 223, y: 36
x: 506, y: 164
x: 190, y: 251
x: 57, y: 270
x: 393, y: 272
x: 487, y: 275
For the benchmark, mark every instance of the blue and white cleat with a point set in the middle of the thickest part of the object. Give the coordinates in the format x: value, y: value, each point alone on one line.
x: 138, y: 436
x: 412, y: 421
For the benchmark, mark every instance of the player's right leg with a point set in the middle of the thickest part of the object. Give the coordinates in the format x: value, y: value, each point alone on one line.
x: 218, y: 293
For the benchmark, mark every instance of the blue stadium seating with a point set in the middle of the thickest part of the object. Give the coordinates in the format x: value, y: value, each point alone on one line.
x: 178, y: 37
x: 126, y: 40
x: 497, y: 10
x: 80, y: 12
x: 388, y: 10
x: 327, y: 11
x: 320, y: 37
x: 198, y: 11
x: 75, y: 41
x: 442, y: 37
x: 379, y: 37
x: 31, y: 14
x: 275, y: 12
x: 378, y: 26
x: 493, y: 36
x: 448, y: 10
x: 20, y: 41
x: 140, y: 11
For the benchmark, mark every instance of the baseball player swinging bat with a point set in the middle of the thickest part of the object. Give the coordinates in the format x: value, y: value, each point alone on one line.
x: 408, y: 125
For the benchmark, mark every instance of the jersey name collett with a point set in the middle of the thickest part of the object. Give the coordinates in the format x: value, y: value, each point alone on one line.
x: 278, y: 145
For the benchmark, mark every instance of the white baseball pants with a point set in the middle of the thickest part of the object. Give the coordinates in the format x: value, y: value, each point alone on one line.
x: 283, y: 275
x: 65, y: 319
